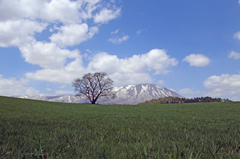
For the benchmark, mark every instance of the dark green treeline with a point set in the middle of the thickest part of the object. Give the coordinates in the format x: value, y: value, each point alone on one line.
x: 171, y: 99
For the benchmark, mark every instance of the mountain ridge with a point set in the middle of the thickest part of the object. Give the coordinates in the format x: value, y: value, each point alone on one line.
x: 129, y: 94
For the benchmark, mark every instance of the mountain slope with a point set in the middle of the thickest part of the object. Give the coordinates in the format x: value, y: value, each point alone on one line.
x: 134, y: 94
x: 130, y: 94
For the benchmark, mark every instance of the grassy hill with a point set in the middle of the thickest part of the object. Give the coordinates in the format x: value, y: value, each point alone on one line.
x: 40, y: 129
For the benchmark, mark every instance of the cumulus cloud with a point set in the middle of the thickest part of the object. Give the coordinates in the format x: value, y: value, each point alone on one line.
x: 237, y: 35
x: 65, y: 74
x: 75, y: 70
x: 11, y: 87
x: 125, y: 78
x: 155, y: 59
x: 133, y: 70
x: 65, y: 11
x: 17, y: 9
x: 223, y: 85
x: 88, y: 7
x: 159, y: 60
x: 19, y: 32
x: 119, y: 40
x: 106, y: 15
x: 186, y: 91
x: 123, y: 71
x: 234, y: 55
x: 197, y: 60
x: 47, y: 55
x: 21, y: 19
x: 73, y: 34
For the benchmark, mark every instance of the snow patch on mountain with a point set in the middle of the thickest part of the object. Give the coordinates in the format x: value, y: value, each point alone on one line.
x: 130, y: 94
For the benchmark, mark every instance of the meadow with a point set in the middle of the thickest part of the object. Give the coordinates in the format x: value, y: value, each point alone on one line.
x: 40, y: 129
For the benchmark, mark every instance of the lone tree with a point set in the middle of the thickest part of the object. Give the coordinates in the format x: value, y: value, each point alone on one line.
x: 94, y: 87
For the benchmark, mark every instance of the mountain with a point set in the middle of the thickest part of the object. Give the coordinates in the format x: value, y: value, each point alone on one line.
x: 130, y: 94
x: 134, y: 94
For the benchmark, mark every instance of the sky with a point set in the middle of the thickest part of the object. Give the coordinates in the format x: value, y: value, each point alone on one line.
x: 190, y: 47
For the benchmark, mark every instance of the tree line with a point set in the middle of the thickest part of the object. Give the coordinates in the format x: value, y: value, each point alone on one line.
x: 171, y: 99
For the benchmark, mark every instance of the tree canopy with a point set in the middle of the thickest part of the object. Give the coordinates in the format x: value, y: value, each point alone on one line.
x: 94, y: 86
x: 172, y: 99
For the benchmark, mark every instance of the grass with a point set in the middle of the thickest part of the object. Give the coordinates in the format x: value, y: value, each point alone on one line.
x: 40, y: 129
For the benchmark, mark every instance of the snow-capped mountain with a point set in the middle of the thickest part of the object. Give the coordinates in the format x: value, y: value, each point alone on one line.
x: 130, y: 94
x: 134, y: 94
x: 38, y: 97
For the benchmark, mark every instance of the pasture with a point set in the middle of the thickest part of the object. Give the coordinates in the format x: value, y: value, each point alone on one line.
x: 40, y: 129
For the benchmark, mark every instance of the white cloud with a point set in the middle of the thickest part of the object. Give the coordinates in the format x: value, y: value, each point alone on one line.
x: 186, y: 91
x: 155, y: 59
x: 237, y: 35
x: 223, y: 85
x: 16, y: 33
x: 73, y: 34
x: 139, y: 32
x: 29, y: 91
x: 119, y: 40
x: 114, y: 32
x: 161, y: 82
x: 48, y: 89
x: 57, y: 11
x: 133, y: 70
x: 90, y: 7
x: 61, y: 75
x: 54, y: 28
x: 11, y: 86
x: 59, y: 92
x: 234, y: 55
x: 126, y: 78
x: 121, y: 71
x: 60, y: 11
x: 54, y: 11
x: 158, y: 60
x: 47, y: 55
x: 17, y: 9
x: 21, y: 19
x: 92, y: 31
x: 197, y: 60
x: 106, y: 15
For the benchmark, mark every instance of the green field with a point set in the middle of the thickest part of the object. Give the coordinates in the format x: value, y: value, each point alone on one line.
x: 40, y: 129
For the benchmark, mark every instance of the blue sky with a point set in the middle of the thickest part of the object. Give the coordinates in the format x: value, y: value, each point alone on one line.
x: 191, y: 47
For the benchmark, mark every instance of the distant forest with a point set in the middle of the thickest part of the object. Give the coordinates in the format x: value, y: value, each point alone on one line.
x: 171, y: 99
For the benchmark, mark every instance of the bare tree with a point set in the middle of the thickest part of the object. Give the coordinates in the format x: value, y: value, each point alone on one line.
x: 94, y: 87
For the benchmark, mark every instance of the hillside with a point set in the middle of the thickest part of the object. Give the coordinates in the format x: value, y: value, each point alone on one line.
x: 130, y: 94
x: 41, y: 129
